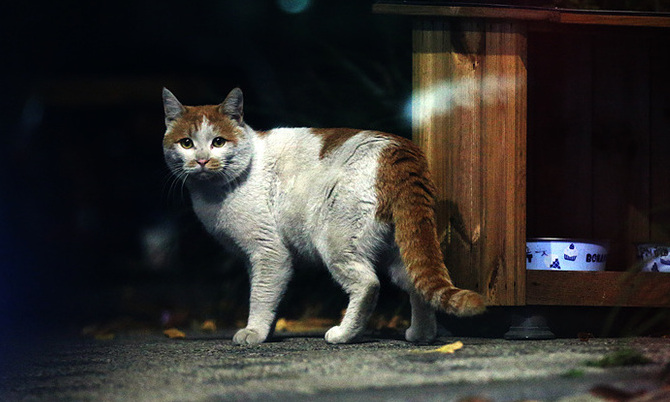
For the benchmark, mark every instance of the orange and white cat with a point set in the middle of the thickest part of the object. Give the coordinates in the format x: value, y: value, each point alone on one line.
x: 358, y: 201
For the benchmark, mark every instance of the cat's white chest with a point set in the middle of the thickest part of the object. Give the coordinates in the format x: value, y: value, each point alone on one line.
x: 207, y: 211
x: 233, y: 216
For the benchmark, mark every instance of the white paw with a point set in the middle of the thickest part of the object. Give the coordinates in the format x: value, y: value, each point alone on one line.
x: 421, y: 335
x: 338, y: 335
x: 247, y: 336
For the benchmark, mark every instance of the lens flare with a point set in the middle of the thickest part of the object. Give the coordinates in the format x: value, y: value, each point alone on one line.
x: 293, y: 6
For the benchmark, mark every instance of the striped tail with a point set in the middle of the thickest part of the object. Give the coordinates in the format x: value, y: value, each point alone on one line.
x: 406, y: 195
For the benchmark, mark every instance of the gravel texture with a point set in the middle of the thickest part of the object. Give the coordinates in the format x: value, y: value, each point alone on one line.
x: 149, y: 367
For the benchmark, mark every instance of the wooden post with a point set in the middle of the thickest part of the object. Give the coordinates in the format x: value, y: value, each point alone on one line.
x: 469, y: 116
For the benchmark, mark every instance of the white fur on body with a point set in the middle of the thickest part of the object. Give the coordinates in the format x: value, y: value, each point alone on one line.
x: 275, y: 197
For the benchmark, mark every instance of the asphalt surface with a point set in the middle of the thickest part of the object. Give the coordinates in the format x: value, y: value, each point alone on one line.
x: 151, y: 367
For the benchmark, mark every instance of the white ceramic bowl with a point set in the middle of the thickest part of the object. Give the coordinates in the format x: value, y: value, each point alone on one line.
x: 566, y: 254
x: 654, y: 257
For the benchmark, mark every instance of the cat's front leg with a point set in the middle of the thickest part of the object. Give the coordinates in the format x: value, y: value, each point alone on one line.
x: 270, y: 273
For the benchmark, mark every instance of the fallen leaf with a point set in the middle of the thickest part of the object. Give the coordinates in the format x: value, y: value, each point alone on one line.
x: 173, y: 333
x: 397, y: 322
x: 209, y: 326
x: 303, y: 325
x: 448, y: 348
x: 281, y: 325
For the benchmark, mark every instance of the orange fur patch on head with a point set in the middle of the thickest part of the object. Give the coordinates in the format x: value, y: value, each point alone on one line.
x: 191, y: 120
x: 333, y: 138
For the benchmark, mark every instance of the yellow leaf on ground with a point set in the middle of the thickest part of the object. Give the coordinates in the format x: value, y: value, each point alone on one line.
x: 209, y: 326
x: 448, y: 348
x: 281, y: 325
x: 174, y: 333
x: 303, y: 325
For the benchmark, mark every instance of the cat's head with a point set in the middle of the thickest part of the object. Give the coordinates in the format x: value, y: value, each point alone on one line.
x: 206, y: 142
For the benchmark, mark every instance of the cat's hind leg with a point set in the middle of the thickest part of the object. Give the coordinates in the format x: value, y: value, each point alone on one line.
x: 358, y: 279
x: 270, y: 272
x: 423, y: 326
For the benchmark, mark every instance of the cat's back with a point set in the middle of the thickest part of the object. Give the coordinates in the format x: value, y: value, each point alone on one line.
x: 321, y: 181
x: 313, y: 149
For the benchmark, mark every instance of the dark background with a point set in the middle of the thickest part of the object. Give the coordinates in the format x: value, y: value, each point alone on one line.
x: 92, y: 226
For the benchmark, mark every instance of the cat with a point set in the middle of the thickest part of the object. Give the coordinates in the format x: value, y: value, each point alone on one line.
x: 354, y: 200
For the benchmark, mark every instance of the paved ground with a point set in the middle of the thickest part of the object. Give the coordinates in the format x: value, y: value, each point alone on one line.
x: 154, y: 368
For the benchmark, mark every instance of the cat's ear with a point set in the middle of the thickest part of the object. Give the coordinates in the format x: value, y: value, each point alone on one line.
x: 233, y: 105
x: 173, y: 108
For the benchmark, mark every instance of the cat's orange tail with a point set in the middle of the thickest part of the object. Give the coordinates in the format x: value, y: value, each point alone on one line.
x: 406, y: 196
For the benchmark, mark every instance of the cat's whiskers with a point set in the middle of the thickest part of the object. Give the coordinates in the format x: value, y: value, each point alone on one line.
x: 178, y: 181
x: 169, y: 180
x: 233, y: 181
x: 183, y: 178
x: 168, y: 177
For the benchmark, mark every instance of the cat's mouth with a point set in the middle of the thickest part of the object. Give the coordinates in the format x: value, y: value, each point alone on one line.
x: 203, y: 173
x: 203, y: 169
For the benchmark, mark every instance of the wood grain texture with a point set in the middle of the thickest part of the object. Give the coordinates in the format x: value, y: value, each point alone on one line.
x: 465, y: 11
x: 599, y: 124
x: 469, y: 117
x: 621, y: 19
x: 648, y: 289
x: 558, y: 16
x: 503, y: 158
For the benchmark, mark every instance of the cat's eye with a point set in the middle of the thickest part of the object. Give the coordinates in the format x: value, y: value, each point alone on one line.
x: 218, y: 142
x: 186, y: 143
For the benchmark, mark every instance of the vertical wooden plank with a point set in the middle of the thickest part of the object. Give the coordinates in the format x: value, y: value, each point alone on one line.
x: 470, y: 117
x: 431, y: 68
x: 446, y: 125
x: 660, y: 140
x: 621, y: 145
x: 503, y: 160
x: 463, y: 243
x: 517, y: 222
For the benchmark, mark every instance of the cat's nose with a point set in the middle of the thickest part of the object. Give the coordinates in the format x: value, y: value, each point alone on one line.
x: 202, y: 162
